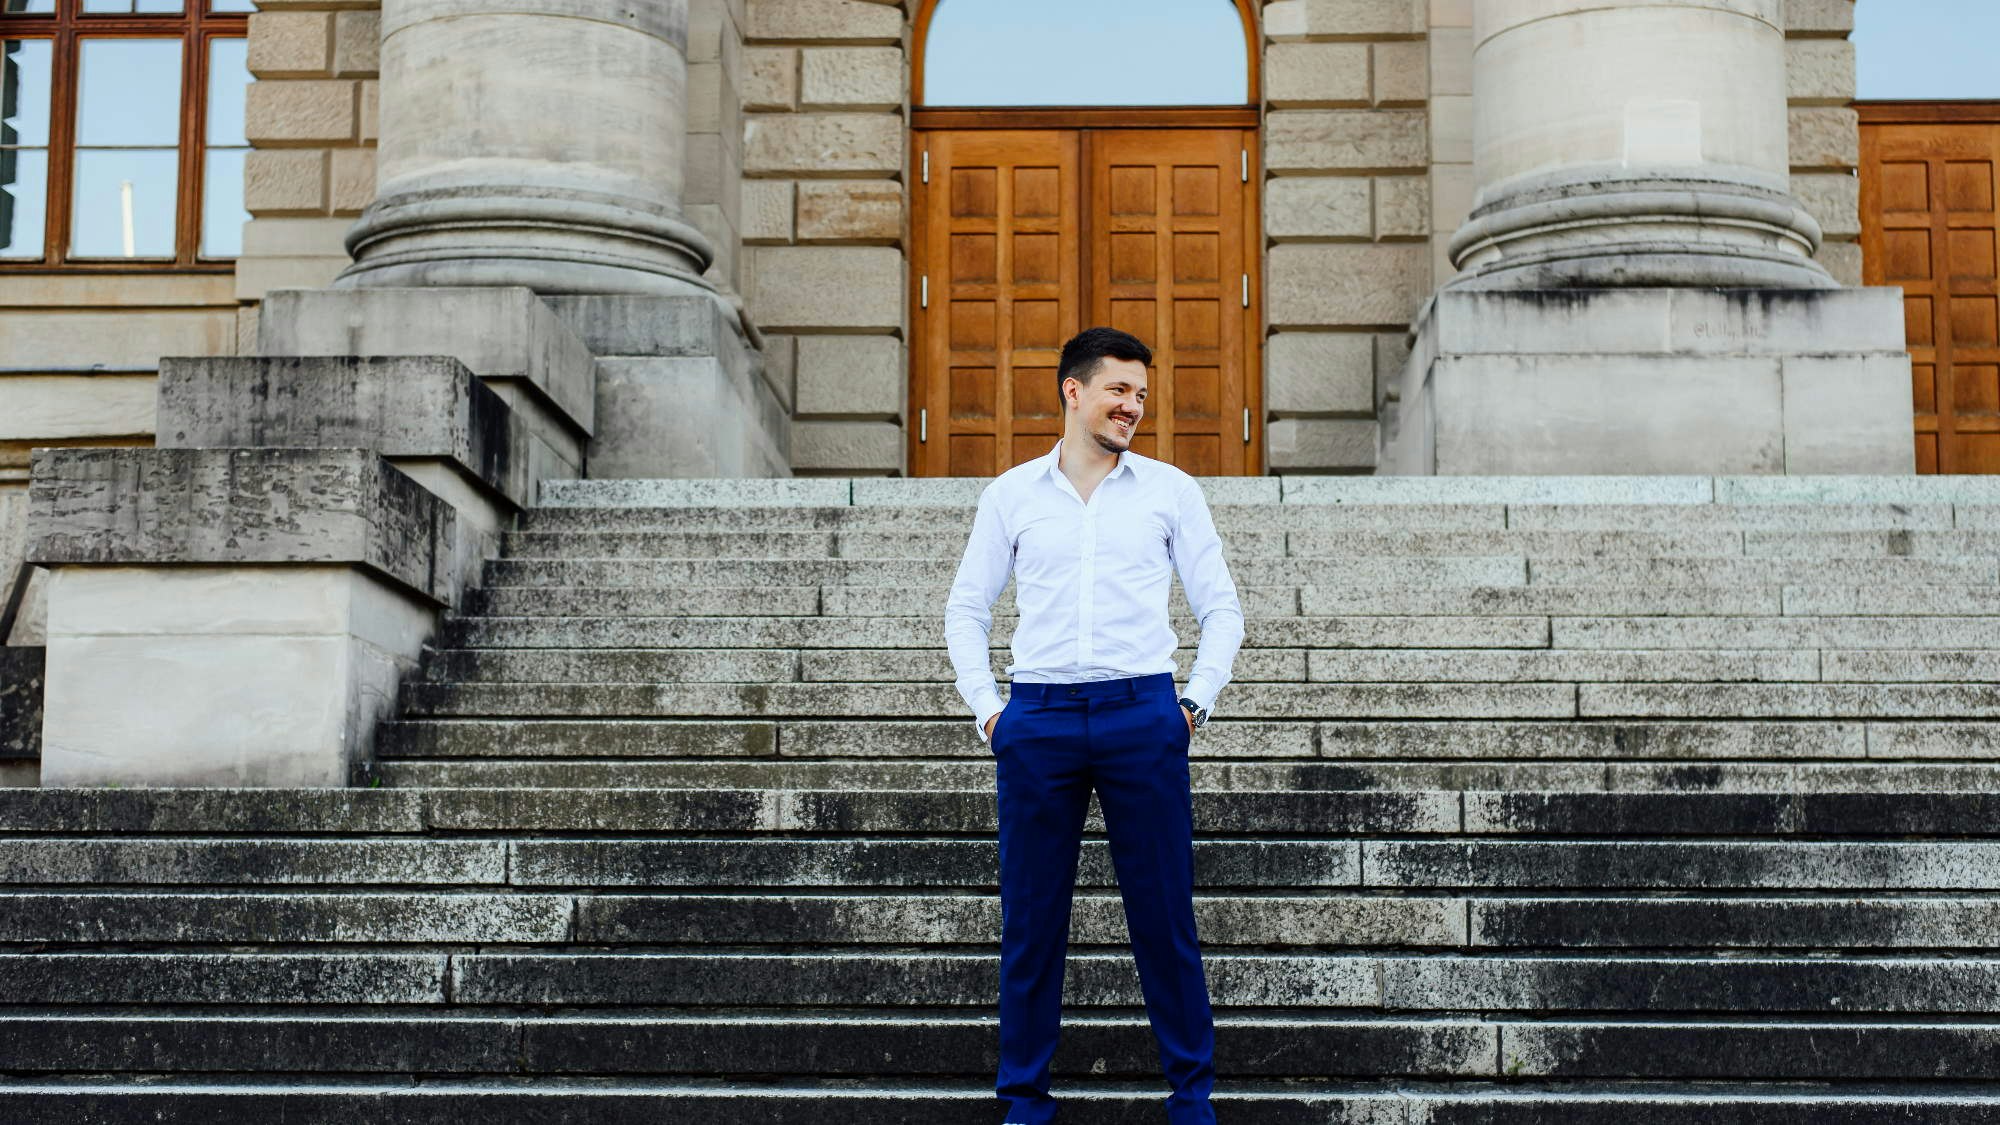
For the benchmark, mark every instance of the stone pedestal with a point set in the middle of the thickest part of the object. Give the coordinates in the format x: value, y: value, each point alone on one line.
x: 1656, y: 381
x: 230, y: 617
x: 538, y: 143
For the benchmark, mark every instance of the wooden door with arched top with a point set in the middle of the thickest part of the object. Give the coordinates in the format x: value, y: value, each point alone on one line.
x: 1031, y: 223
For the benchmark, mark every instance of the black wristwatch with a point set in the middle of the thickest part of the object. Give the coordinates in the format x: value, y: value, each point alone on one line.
x: 1191, y: 707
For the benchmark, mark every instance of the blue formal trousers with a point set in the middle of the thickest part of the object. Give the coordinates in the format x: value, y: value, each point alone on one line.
x: 1052, y: 745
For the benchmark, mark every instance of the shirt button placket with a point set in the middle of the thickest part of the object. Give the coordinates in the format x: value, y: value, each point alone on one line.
x: 1086, y: 615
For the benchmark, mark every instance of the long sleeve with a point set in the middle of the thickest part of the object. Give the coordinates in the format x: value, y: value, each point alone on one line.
x: 1211, y: 593
x: 968, y: 612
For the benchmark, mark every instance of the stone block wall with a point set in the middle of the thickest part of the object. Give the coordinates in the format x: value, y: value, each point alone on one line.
x: 1351, y: 132
x: 713, y: 187
x: 1825, y: 130
x: 824, y: 222
x: 311, y: 119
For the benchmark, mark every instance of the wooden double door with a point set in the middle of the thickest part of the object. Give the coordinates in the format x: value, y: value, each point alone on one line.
x: 1025, y: 237
x: 1929, y: 209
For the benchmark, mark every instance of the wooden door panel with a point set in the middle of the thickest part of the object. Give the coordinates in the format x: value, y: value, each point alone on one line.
x: 1003, y: 295
x: 1167, y: 215
x: 1928, y: 227
x: 1025, y: 236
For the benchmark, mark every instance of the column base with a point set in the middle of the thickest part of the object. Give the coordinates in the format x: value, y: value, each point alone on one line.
x: 1655, y: 381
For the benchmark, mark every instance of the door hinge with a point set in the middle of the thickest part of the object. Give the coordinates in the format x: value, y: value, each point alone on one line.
x: 1246, y: 425
x: 1246, y: 290
x: 1246, y: 165
x: 924, y: 291
x: 927, y: 166
x: 924, y: 426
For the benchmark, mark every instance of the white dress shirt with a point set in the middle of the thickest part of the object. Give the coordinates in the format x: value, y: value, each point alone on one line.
x: 1091, y: 580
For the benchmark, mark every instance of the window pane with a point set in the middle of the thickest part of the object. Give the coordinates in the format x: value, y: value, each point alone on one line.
x: 125, y: 203
x: 222, y: 211
x: 1104, y: 52
x: 24, y: 92
x: 129, y: 92
x: 94, y: 7
x: 232, y: 6
x: 36, y: 7
x: 24, y: 193
x: 228, y: 74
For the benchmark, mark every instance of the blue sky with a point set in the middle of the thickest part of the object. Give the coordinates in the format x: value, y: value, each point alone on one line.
x: 1928, y: 48
x: 1905, y: 49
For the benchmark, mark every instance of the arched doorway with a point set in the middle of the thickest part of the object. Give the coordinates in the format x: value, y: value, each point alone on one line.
x: 1114, y: 182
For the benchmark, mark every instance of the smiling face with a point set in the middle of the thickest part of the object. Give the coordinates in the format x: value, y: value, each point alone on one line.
x: 1110, y: 406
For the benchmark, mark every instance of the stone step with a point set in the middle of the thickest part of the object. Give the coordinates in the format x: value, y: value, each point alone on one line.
x: 1381, y: 517
x: 636, y: 1102
x: 1824, y: 570
x: 1789, y: 701
x: 1253, y: 665
x: 1377, y: 571
x: 883, y: 742
x: 1215, y: 775
x: 1418, y: 601
x: 1903, y: 984
x: 1274, y: 537
x: 946, y: 1042
x: 948, y: 861
x: 1793, y: 633
x: 875, y: 701
x: 105, y: 919
x: 927, y: 632
x: 1211, y: 775
x: 151, y: 824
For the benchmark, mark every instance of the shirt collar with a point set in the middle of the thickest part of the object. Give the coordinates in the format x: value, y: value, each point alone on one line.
x: 1128, y: 462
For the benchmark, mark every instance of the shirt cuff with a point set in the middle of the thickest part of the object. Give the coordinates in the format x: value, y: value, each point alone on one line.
x: 986, y: 709
x: 1202, y: 692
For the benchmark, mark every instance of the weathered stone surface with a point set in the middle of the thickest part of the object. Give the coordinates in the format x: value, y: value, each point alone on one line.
x: 1819, y: 71
x: 357, y: 43
x: 1833, y: 198
x: 1346, y: 140
x: 802, y: 288
x: 820, y: 144
x: 504, y: 334
x: 1318, y: 207
x: 20, y: 701
x: 1825, y: 137
x: 239, y: 507
x: 1315, y: 285
x: 850, y: 375
x: 1316, y: 74
x: 767, y: 210
x: 850, y: 211
x: 351, y: 179
x: 300, y: 111
x: 1319, y: 373
x: 1402, y: 206
x: 284, y: 44
x: 807, y: 20
x: 851, y: 78
x: 1321, y: 443
x: 1363, y: 19
x: 771, y: 78
x: 415, y: 407
x: 285, y: 180
x: 1819, y: 16
x: 848, y: 446
x: 1402, y: 72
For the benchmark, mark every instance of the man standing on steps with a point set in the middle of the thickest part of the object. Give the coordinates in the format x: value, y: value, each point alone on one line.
x: 1092, y: 534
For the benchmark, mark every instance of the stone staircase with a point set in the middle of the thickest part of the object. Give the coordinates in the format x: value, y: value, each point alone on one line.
x: 1533, y: 800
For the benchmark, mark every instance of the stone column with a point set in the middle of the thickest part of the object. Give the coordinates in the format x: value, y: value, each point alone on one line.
x: 533, y: 143
x: 1632, y: 143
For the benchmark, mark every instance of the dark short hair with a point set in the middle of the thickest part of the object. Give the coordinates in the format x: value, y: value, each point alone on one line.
x: 1085, y: 350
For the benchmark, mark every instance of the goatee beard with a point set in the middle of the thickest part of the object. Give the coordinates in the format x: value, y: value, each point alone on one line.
x: 1110, y: 444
